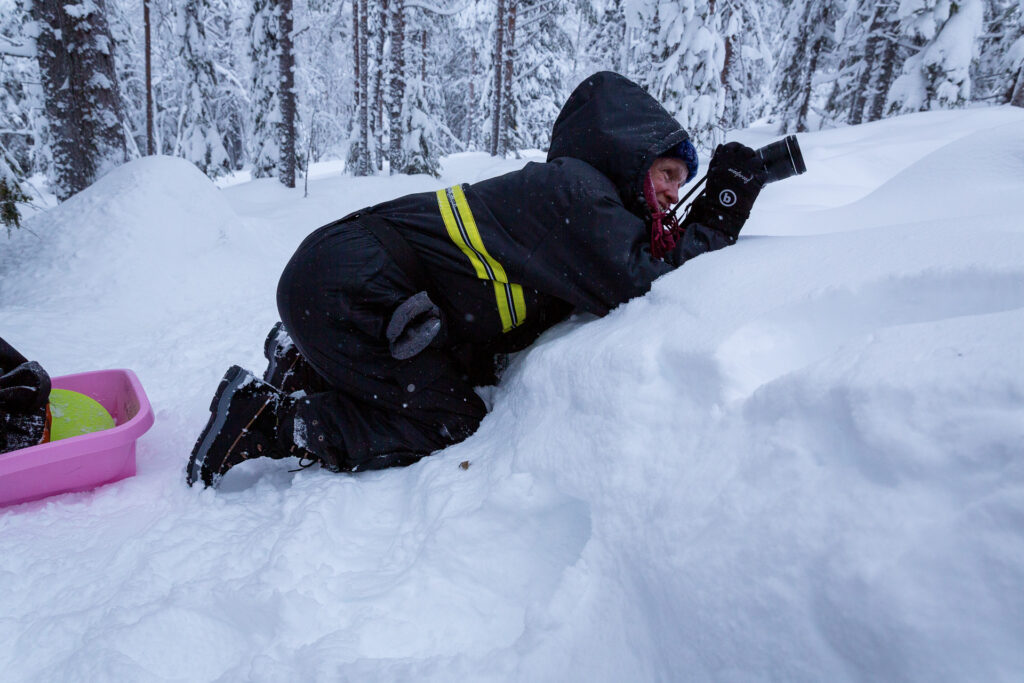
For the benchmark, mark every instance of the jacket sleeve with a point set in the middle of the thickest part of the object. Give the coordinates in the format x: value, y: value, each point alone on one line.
x: 699, y: 237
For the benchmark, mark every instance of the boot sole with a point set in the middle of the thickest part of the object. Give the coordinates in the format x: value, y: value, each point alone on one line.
x: 235, y: 377
x: 269, y: 346
x: 271, y: 340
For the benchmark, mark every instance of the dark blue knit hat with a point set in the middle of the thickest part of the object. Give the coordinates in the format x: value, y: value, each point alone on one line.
x: 688, y: 153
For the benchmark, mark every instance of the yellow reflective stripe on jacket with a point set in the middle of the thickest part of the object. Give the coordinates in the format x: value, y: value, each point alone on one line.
x: 461, y: 227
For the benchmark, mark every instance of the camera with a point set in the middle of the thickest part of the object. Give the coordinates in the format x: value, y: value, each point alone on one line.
x: 782, y: 159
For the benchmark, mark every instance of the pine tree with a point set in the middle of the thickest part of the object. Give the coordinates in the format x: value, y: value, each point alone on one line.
x: 508, y: 140
x: 227, y: 34
x: 361, y: 156
x: 889, y: 56
x: 396, y: 81
x: 265, y: 107
x: 422, y: 130
x: 322, y: 80
x: 999, y: 75
x: 11, y: 194
x: 354, y: 151
x: 167, y: 78
x: 689, y: 56
x: 644, y: 52
x: 1013, y: 61
x: 380, y: 32
x: 542, y: 71
x: 23, y: 131
x: 466, y: 99
x: 199, y: 139
x: 83, y: 101
x: 861, y: 34
x: 746, y: 63
x: 129, y: 67
x: 809, y: 26
x: 498, y: 73
x: 938, y: 76
x: 608, y: 48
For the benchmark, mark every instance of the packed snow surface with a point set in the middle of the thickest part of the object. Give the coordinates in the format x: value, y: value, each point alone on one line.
x: 798, y: 458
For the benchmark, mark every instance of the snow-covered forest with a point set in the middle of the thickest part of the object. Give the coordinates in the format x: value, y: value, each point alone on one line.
x: 389, y: 86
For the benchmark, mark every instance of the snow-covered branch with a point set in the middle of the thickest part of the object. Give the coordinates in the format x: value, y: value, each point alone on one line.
x: 417, y: 4
x: 14, y: 49
x: 534, y: 14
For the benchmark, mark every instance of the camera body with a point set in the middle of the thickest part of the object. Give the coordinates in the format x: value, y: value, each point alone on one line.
x: 782, y: 159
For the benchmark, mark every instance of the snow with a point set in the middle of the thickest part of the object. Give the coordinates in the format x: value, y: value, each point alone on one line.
x: 798, y: 458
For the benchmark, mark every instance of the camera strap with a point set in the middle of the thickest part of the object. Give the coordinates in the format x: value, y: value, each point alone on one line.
x: 671, y: 215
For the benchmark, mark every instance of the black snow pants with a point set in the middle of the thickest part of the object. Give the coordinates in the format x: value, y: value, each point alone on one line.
x: 336, y: 298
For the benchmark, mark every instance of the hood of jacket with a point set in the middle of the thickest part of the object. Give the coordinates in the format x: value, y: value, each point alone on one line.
x: 612, y: 124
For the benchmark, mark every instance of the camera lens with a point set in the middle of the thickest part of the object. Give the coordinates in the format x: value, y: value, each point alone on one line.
x: 782, y: 159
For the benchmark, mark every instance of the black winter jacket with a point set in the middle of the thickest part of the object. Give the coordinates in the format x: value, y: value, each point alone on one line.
x: 509, y: 257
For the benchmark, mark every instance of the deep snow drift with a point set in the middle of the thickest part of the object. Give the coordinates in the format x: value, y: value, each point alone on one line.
x: 799, y: 458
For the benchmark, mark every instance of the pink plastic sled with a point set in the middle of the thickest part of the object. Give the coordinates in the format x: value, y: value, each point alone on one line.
x: 87, y: 461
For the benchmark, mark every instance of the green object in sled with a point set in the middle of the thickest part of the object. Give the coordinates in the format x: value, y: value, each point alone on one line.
x: 74, y: 414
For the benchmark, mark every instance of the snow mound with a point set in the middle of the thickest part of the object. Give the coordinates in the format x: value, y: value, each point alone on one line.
x: 127, y: 234
x: 972, y: 177
x: 850, y: 163
x: 978, y: 174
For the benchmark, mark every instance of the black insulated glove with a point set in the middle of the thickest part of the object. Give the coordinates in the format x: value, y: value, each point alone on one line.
x: 24, y: 389
x: 735, y: 178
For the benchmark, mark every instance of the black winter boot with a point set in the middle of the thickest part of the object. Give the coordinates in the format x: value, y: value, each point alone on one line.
x: 287, y: 369
x: 245, y: 415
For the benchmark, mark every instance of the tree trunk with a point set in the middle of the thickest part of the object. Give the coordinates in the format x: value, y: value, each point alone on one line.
x: 397, y: 80
x: 470, y: 127
x: 882, y: 83
x: 508, y: 114
x: 871, y: 49
x: 82, y: 100
x: 287, y: 83
x: 805, y: 103
x: 794, y: 67
x: 496, y: 63
x: 354, y: 135
x: 363, y: 166
x: 1017, y: 99
x: 727, y: 62
x: 150, y: 139
x: 378, y: 85
x: 423, y: 56
x: 355, y: 61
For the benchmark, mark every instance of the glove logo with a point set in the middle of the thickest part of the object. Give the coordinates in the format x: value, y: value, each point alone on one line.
x: 727, y: 198
x: 745, y: 178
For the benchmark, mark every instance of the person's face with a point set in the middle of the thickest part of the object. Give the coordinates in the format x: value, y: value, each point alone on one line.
x: 668, y: 174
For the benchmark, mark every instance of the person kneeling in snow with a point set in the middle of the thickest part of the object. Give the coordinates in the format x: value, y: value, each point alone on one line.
x: 391, y: 315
